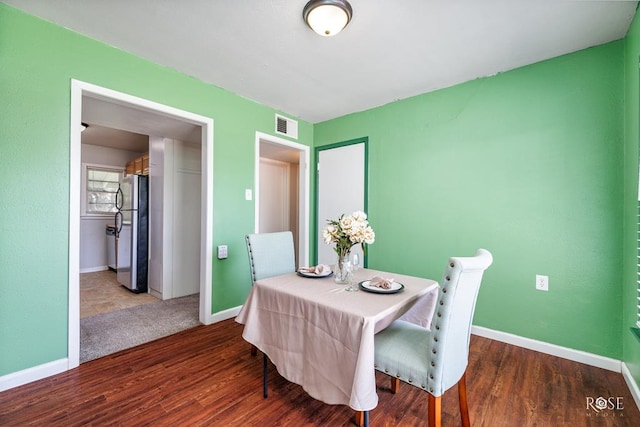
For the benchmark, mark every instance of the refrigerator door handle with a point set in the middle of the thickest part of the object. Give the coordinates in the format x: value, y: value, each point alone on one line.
x: 119, y: 198
x: 118, y: 223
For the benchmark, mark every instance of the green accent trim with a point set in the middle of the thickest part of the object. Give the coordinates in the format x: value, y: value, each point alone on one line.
x: 636, y: 332
x: 315, y: 226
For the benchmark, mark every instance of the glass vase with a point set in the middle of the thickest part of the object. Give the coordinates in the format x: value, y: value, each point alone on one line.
x: 342, y: 271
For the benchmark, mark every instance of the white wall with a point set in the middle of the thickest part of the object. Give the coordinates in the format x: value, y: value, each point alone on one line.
x: 93, y: 240
x: 279, y: 197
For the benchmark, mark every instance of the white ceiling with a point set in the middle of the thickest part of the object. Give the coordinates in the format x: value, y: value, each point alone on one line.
x: 262, y: 50
x: 114, y: 138
x: 124, y: 127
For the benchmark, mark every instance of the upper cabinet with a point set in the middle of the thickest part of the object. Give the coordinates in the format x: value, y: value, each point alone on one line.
x: 139, y: 166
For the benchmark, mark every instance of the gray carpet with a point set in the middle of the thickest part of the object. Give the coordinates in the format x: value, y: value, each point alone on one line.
x: 111, y: 332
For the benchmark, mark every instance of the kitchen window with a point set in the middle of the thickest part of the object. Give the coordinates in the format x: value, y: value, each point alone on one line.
x: 100, y: 184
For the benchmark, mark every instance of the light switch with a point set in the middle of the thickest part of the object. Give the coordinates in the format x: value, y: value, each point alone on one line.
x: 248, y: 194
x: 222, y: 251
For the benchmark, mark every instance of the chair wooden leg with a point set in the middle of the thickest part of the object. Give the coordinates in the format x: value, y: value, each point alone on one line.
x: 265, y: 371
x: 435, y: 411
x: 362, y: 418
x: 395, y: 385
x: 254, y: 350
x: 462, y: 395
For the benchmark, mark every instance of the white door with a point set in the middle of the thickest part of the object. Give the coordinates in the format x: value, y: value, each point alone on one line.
x: 341, y: 190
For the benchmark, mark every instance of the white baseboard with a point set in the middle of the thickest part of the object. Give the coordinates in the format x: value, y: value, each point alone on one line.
x: 94, y: 269
x: 552, y: 349
x: 631, y: 383
x: 224, y: 315
x: 36, y: 373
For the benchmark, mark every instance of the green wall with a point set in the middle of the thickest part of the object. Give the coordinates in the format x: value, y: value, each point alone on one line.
x: 37, y: 62
x: 527, y: 164
x: 631, y: 346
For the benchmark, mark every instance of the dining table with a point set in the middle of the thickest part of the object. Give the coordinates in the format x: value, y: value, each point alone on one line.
x: 321, y: 336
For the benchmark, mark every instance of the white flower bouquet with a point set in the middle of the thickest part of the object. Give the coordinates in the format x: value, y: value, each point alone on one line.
x: 348, y: 231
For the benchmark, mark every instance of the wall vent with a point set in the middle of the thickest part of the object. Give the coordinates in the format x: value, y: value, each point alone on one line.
x: 286, y: 126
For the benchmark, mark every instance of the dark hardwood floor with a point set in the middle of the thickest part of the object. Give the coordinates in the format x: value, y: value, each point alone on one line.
x: 206, y: 376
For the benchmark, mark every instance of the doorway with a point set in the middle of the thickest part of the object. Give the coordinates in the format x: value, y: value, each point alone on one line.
x: 126, y: 112
x: 282, y: 190
x: 344, y: 162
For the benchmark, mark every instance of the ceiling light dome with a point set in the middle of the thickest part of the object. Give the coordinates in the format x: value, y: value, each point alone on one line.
x: 327, y: 17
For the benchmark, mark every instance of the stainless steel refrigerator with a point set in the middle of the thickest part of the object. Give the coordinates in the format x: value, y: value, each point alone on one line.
x: 132, y: 232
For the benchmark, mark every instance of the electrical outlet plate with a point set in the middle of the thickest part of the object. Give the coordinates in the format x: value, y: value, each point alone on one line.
x: 542, y: 282
x: 222, y: 251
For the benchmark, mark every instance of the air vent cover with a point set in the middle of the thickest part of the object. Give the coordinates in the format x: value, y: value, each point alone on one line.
x: 286, y: 126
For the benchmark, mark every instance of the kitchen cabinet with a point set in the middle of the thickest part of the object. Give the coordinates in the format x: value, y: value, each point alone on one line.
x: 139, y: 166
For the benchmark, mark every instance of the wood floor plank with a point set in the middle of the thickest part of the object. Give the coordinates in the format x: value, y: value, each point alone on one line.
x: 205, y: 376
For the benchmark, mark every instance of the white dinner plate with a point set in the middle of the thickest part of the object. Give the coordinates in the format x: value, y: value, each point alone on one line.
x: 367, y: 286
x: 314, y: 275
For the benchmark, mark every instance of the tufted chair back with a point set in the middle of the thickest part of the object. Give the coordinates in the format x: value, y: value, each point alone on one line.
x: 448, y: 344
x: 270, y: 254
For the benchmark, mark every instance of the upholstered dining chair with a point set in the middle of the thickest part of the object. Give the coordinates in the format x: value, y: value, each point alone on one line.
x: 436, y: 359
x: 270, y: 254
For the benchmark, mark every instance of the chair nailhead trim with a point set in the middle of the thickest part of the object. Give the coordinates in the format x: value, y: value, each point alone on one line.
x: 448, y: 278
x: 386, y: 370
x: 452, y: 265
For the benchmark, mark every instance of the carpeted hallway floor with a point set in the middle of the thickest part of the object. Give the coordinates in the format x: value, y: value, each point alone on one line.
x: 113, y: 318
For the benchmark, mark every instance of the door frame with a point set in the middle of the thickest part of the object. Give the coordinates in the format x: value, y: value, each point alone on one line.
x: 78, y: 90
x: 304, y: 186
x: 316, y: 226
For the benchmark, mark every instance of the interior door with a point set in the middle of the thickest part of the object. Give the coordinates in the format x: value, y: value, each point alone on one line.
x: 341, y: 190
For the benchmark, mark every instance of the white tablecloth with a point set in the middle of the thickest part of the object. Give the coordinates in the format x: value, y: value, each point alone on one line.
x: 322, y: 337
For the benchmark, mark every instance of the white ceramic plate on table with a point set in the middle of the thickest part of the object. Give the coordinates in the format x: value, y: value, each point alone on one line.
x: 367, y: 286
x: 314, y: 275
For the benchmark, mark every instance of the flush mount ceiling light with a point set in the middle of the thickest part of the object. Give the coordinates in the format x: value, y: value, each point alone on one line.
x: 327, y: 17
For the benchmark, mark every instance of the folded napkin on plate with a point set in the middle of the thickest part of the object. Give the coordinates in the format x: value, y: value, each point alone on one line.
x: 381, y: 282
x: 317, y: 269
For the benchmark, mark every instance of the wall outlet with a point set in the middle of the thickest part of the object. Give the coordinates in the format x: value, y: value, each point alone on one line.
x: 542, y: 282
x: 222, y: 252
